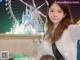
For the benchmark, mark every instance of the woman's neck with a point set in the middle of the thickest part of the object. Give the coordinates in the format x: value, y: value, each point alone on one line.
x: 55, y: 26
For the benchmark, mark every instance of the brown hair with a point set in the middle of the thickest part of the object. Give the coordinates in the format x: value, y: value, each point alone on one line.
x: 65, y: 22
x: 47, y: 57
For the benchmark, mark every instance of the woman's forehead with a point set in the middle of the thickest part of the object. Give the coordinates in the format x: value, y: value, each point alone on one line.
x: 55, y: 6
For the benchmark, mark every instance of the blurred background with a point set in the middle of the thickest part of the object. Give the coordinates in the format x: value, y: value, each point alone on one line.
x: 18, y: 7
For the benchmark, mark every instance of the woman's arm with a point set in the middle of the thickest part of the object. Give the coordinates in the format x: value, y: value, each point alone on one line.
x: 74, y: 32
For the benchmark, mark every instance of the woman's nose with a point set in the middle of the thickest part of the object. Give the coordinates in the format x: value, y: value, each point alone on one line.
x: 55, y: 14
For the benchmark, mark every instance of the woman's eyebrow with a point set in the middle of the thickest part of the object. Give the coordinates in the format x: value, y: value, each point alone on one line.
x: 59, y: 9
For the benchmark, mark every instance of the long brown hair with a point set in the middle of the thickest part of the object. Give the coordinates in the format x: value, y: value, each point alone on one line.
x: 65, y: 22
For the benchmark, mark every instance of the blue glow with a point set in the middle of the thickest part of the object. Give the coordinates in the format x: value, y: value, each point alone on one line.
x: 1, y: 0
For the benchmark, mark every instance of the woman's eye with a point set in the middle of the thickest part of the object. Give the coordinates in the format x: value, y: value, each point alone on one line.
x: 51, y: 11
x: 59, y: 11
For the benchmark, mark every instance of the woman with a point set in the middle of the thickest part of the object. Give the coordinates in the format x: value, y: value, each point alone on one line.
x: 62, y: 34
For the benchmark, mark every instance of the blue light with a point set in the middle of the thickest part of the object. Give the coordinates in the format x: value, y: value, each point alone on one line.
x: 1, y: 0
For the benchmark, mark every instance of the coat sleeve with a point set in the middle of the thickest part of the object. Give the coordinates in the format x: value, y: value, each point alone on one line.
x: 74, y: 32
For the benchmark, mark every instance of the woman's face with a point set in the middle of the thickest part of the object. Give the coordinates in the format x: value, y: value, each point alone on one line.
x: 55, y: 13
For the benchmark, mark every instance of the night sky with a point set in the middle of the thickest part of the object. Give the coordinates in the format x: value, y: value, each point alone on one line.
x: 5, y: 22
x: 18, y: 8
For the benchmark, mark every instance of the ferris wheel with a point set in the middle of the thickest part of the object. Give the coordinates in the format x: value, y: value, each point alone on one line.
x: 16, y: 7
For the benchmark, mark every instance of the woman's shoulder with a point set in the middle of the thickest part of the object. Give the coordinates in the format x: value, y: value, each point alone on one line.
x: 73, y: 26
x: 45, y: 43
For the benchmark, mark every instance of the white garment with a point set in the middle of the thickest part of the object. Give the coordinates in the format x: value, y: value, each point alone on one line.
x: 67, y: 45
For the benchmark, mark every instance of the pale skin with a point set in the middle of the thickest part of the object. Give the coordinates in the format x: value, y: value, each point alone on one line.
x: 56, y: 14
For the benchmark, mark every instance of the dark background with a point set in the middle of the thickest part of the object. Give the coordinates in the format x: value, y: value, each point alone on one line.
x: 18, y: 8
